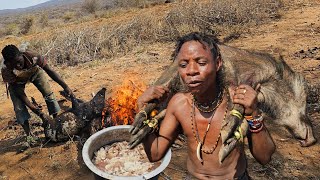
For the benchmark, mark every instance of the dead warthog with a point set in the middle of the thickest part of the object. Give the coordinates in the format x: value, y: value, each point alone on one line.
x: 282, y: 95
x: 83, y: 116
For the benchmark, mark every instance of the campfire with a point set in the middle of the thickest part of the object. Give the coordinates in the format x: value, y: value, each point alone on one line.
x: 121, y: 106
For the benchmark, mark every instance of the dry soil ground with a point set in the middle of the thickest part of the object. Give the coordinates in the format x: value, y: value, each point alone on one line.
x: 297, y: 30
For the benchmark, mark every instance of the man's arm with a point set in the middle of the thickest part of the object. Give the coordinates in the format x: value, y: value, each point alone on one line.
x: 156, y: 145
x: 152, y: 93
x: 56, y: 77
x: 23, y: 97
x: 261, y: 145
x: 260, y: 142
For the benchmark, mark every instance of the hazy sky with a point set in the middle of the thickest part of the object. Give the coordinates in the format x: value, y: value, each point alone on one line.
x: 14, y: 4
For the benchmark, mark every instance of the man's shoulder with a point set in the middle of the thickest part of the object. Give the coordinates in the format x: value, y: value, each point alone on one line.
x: 30, y: 53
x: 36, y: 58
x: 179, y: 99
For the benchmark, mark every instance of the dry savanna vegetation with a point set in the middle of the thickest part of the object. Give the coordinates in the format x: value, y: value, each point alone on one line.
x: 117, y: 37
x: 95, y: 43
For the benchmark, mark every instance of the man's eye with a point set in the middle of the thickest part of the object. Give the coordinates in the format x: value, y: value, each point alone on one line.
x: 183, y: 65
x: 202, y: 63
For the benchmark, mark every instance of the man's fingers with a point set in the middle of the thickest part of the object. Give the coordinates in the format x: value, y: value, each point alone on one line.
x: 157, y: 95
x: 162, y: 88
x: 160, y: 91
x: 257, y: 88
x: 166, y: 88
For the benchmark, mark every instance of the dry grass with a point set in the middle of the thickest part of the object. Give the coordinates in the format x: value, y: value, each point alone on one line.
x: 227, y: 18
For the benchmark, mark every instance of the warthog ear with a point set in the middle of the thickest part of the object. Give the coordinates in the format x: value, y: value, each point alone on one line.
x: 98, y: 100
x: 75, y: 103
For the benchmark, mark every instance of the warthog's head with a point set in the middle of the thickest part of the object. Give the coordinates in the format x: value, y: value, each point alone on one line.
x: 98, y: 101
x: 89, y: 110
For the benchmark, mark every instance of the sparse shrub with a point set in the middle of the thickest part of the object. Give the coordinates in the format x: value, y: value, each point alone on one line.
x: 230, y: 18
x: 90, y: 6
x: 67, y: 16
x: 44, y: 20
x: 133, y: 3
x: 2, y: 32
x: 70, y: 48
x: 112, y: 13
x: 218, y: 16
x: 26, y: 24
x: 56, y: 165
x: 11, y: 29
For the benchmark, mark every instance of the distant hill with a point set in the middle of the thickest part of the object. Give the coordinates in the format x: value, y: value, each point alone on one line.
x: 45, y: 5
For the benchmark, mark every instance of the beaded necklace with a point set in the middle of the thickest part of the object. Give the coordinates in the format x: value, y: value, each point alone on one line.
x: 208, y: 107
x: 196, y: 134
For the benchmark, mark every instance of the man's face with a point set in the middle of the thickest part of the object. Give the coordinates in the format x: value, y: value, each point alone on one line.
x: 197, y: 67
x: 16, y: 63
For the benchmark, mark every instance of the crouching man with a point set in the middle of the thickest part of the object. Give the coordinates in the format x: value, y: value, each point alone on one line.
x: 17, y: 70
x: 200, y: 111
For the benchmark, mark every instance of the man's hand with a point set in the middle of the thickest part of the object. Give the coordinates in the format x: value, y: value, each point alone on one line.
x: 68, y: 92
x: 153, y: 92
x: 246, y: 96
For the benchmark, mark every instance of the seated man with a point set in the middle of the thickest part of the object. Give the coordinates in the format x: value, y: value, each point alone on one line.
x: 17, y: 70
x: 200, y: 111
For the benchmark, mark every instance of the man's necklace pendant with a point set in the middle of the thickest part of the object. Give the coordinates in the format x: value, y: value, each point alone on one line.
x: 199, y: 152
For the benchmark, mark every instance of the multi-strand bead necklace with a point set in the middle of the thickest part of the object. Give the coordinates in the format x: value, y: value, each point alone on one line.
x: 194, y: 127
x: 208, y: 107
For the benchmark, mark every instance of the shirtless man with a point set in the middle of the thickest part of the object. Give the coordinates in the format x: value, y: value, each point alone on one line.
x: 199, y: 113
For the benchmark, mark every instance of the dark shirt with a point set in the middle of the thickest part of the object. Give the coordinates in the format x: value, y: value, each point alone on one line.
x: 32, y: 59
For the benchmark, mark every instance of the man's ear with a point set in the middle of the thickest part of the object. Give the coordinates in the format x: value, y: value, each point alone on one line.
x: 7, y: 64
x: 218, y: 63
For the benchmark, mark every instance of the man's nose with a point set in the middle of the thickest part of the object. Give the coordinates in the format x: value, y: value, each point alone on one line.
x: 192, y: 69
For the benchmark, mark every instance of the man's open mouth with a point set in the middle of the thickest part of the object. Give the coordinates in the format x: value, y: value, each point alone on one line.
x: 193, y: 84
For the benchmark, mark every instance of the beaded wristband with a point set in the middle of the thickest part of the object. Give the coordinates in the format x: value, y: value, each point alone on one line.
x: 257, y: 130
x: 255, y: 123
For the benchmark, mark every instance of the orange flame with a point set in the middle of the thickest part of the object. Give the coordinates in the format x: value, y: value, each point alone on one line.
x: 122, y: 104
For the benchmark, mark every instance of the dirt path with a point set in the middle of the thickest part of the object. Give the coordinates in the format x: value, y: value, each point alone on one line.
x: 298, y: 29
